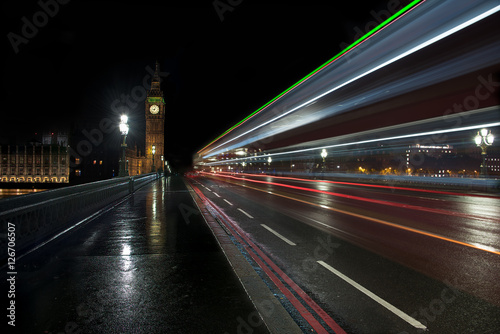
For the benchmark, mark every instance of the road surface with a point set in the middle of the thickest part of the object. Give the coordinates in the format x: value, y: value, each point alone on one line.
x: 375, y: 259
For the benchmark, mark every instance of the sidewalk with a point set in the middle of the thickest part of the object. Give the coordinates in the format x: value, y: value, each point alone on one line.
x: 149, y: 265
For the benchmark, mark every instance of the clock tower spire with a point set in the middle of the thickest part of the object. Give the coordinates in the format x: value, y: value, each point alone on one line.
x: 155, y: 123
x: 155, y: 82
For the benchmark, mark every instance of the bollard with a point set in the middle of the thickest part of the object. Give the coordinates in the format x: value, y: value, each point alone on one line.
x: 130, y: 185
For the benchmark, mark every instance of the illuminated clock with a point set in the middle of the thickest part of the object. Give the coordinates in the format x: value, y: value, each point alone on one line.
x: 154, y: 109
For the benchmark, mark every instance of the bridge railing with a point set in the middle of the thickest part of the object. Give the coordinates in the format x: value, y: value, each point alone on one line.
x: 34, y: 218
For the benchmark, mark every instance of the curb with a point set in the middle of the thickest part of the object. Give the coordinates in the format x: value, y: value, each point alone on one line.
x: 271, y: 311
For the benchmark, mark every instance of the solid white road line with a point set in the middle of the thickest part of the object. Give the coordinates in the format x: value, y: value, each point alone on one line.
x: 247, y: 214
x: 225, y: 200
x: 376, y: 298
x: 291, y: 243
x: 216, y: 194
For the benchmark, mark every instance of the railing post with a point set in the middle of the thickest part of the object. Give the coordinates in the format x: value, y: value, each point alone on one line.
x: 130, y: 185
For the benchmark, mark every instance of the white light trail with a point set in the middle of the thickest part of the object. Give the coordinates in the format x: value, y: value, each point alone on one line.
x: 419, y: 134
x: 388, y: 62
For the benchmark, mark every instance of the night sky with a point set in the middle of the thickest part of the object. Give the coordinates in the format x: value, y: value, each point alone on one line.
x: 223, y: 64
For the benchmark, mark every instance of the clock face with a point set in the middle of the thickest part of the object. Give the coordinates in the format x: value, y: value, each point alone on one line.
x: 154, y: 109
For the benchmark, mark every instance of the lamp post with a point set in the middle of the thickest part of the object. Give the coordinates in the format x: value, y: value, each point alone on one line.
x: 483, y: 139
x: 153, y: 150
x: 124, y: 131
x: 324, y: 154
x: 269, y: 160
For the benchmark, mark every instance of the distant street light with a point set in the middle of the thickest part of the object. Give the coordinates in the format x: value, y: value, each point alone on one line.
x: 483, y: 139
x: 323, y: 154
x: 153, y: 150
x: 124, y: 131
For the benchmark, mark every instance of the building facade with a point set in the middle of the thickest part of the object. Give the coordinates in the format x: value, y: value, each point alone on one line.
x: 35, y: 163
x: 153, y: 159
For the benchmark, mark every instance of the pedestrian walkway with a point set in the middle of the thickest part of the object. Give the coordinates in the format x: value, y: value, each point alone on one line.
x: 149, y: 265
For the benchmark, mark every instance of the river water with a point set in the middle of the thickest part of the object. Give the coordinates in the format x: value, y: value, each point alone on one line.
x: 4, y: 193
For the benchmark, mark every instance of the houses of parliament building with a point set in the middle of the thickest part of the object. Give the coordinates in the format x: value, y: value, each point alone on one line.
x: 43, y: 162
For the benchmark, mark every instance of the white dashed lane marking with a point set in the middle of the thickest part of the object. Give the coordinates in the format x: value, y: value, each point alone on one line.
x: 291, y: 243
x: 246, y: 214
x: 376, y: 298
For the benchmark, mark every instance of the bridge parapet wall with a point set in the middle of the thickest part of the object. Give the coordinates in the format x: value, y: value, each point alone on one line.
x: 38, y: 217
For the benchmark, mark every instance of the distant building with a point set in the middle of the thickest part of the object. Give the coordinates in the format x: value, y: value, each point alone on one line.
x: 432, y: 150
x: 59, y: 137
x: 136, y: 162
x: 35, y: 163
x: 431, y: 160
x: 493, y: 164
x: 139, y: 163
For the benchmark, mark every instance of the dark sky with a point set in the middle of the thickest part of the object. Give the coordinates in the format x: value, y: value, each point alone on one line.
x: 86, y: 54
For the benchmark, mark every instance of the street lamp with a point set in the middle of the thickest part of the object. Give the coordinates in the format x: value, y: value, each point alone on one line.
x: 124, y: 131
x: 483, y: 139
x: 153, y: 150
x: 324, y: 154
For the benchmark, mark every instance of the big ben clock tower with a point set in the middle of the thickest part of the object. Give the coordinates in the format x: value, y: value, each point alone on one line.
x: 155, y: 122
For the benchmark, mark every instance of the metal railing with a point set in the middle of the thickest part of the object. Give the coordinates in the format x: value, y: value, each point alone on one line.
x: 37, y: 217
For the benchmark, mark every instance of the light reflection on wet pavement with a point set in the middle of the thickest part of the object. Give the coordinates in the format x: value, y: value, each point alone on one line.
x: 151, y: 265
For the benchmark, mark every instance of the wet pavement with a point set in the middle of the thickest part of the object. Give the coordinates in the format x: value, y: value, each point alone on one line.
x: 150, y: 265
